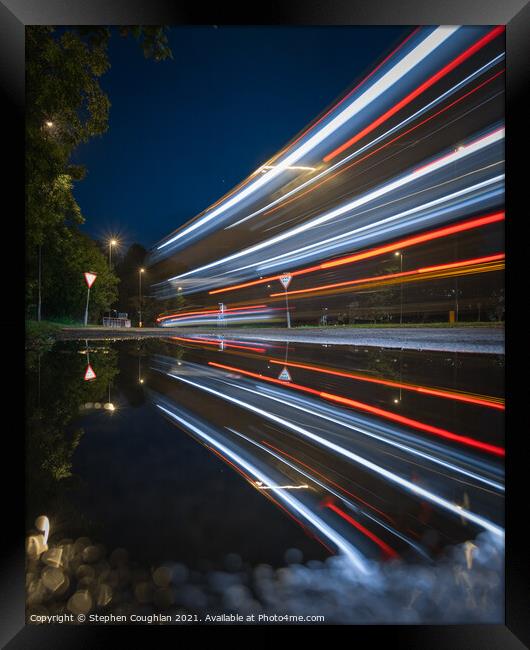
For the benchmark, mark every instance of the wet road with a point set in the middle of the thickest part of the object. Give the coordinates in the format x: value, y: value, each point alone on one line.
x: 379, y: 454
x: 482, y: 340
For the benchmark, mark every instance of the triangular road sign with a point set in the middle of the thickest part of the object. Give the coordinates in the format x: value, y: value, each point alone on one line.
x: 284, y: 375
x: 90, y: 278
x: 285, y: 279
x: 89, y: 373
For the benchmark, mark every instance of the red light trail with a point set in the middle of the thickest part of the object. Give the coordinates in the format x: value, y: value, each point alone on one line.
x: 496, y: 31
x: 403, y: 274
x: 395, y: 417
x: 395, y: 384
x: 446, y: 231
x: 387, y: 550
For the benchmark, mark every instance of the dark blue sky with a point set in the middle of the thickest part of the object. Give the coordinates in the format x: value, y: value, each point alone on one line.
x: 184, y: 131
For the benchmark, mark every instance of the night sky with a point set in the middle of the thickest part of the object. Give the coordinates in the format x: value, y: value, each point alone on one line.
x: 182, y: 132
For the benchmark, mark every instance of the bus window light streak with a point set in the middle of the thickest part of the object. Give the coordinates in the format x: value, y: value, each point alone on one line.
x: 209, y: 312
x: 428, y: 45
x: 315, y: 247
x: 285, y: 199
x: 322, y: 414
x: 280, y: 455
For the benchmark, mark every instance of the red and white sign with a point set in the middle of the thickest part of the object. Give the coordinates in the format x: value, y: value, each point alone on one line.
x: 285, y: 279
x: 284, y: 375
x: 89, y: 373
x: 90, y: 278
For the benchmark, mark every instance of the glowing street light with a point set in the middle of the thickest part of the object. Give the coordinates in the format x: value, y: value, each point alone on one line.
x: 112, y: 243
x: 140, y: 271
x: 400, y: 254
x: 49, y: 124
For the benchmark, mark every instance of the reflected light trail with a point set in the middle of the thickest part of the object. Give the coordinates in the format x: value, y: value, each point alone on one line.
x: 422, y: 426
x: 345, y: 547
x: 489, y: 402
x: 390, y: 476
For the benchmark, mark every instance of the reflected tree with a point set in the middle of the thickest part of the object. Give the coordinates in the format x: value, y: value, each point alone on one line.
x: 55, y: 393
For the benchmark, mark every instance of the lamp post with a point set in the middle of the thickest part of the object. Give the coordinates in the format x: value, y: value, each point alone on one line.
x: 400, y: 286
x: 140, y: 271
x: 112, y: 243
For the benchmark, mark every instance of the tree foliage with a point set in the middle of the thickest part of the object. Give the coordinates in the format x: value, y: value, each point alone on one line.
x: 65, y: 107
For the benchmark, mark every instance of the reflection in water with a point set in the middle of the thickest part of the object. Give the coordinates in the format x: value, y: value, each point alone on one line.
x: 381, y: 470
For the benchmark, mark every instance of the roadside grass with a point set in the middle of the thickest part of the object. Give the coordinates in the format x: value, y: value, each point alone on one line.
x: 41, y: 335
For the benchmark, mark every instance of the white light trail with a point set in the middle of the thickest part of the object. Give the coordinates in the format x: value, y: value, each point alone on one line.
x: 397, y: 72
x: 336, y: 494
x: 272, y: 261
x: 390, y: 476
x: 435, y: 165
x: 388, y: 441
x: 371, y: 144
x: 345, y: 547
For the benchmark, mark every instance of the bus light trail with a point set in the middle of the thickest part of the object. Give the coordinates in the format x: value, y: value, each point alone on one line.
x: 477, y: 261
x: 374, y: 410
x: 329, y: 481
x: 496, y: 31
x: 297, y: 506
x: 209, y: 312
x: 387, y: 550
x: 345, y: 167
x: 198, y: 341
x: 490, y: 402
x: 422, y: 238
x: 406, y: 484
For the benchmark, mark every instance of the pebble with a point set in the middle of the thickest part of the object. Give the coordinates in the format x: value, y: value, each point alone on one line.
x: 162, y: 576
x: 35, y: 546
x: 103, y: 595
x: 53, y: 556
x: 85, y: 571
x: 143, y: 592
x: 81, y: 543
x: 52, y: 578
x: 80, y: 602
x: 93, y: 553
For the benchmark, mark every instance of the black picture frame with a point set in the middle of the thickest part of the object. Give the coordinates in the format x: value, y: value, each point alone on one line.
x: 515, y: 14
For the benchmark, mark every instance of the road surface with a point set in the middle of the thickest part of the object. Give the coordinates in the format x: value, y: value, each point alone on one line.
x: 485, y: 340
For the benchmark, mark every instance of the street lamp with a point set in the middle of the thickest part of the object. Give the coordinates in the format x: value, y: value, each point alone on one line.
x: 112, y: 244
x: 400, y: 286
x: 49, y: 124
x: 140, y: 271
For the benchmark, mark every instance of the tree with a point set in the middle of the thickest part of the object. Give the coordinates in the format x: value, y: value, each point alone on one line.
x: 65, y: 106
x: 70, y: 256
